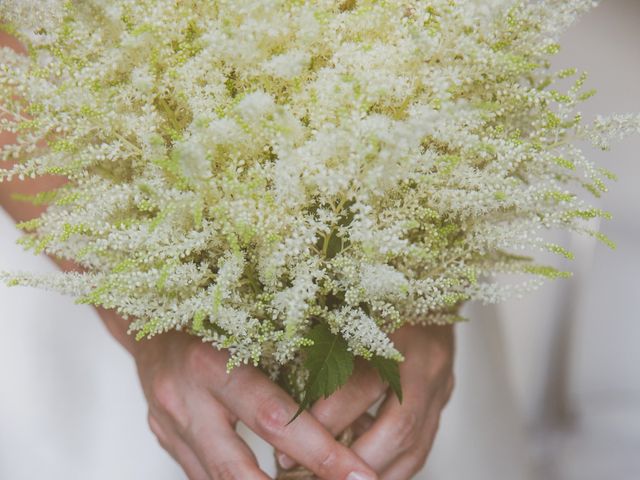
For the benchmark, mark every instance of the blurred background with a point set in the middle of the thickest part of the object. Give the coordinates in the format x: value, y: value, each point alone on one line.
x: 548, y: 387
x: 552, y: 389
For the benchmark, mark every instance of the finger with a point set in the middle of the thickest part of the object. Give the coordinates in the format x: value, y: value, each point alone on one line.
x: 425, y: 375
x: 218, y: 447
x: 361, y: 425
x: 409, y: 464
x: 175, y: 446
x: 345, y: 406
x: 394, y: 432
x: 398, y: 425
x: 268, y: 410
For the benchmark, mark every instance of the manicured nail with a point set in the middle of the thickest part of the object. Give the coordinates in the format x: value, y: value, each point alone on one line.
x: 359, y: 476
x: 285, y: 462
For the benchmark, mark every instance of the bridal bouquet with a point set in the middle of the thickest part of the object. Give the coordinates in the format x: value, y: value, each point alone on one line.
x: 294, y: 180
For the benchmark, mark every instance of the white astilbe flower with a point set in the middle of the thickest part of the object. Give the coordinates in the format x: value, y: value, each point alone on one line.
x: 249, y: 169
x: 287, y: 65
x: 34, y: 18
x: 292, y: 303
x: 380, y: 281
x: 362, y: 334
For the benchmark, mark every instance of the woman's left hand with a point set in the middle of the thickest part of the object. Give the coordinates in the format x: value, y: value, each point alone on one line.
x: 397, y: 442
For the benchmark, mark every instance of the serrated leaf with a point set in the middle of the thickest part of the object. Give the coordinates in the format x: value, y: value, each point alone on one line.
x: 330, y: 364
x: 390, y: 374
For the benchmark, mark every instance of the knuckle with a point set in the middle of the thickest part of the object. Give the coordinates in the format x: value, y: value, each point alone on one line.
x: 157, y: 430
x: 228, y: 470
x: 326, y: 462
x: 223, y: 380
x: 404, y: 430
x: 202, y: 361
x: 271, y: 417
x: 164, y: 392
x: 167, y: 398
x: 197, y: 357
x: 154, y: 425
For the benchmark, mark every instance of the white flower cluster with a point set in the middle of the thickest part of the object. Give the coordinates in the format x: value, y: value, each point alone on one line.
x: 244, y: 169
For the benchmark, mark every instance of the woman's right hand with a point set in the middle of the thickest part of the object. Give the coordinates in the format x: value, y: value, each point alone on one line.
x: 194, y: 405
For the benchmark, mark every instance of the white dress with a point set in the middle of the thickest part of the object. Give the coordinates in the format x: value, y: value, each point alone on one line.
x: 547, y: 387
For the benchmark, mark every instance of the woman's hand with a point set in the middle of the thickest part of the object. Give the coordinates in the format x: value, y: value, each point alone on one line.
x: 194, y: 406
x: 397, y: 442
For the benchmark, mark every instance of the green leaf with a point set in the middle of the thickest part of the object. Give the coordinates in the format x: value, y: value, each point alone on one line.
x: 330, y: 364
x: 389, y: 372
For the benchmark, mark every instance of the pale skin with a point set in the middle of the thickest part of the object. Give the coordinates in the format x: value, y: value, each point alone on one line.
x: 194, y: 404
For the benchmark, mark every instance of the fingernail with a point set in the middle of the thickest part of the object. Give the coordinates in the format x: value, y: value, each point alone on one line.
x: 359, y: 476
x: 285, y: 462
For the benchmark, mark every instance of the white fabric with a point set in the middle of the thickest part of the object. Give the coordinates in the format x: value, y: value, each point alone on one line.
x: 71, y: 406
x: 547, y: 387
